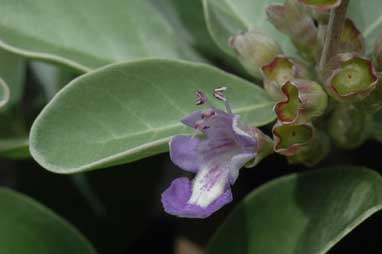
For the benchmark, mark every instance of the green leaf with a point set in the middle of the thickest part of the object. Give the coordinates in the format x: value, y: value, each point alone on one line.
x: 128, y: 111
x: 188, y: 19
x: 28, y: 227
x: 226, y: 18
x: 88, y: 34
x: 301, y: 213
x: 367, y: 16
x: 4, y: 93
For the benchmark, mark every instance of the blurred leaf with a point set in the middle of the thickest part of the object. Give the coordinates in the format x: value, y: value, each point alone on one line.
x: 226, y: 18
x: 125, y: 112
x: 4, y: 93
x: 86, y: 34
x: 28, y: 227
x: 12, y: 71
x: 301, y: 213
x: 367, y: 16
x: 52, y: 78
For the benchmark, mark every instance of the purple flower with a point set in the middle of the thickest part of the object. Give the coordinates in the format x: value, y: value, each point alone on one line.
x: 221, y: 145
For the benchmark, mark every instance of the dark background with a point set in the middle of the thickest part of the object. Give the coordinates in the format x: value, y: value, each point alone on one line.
x: 130, y: 218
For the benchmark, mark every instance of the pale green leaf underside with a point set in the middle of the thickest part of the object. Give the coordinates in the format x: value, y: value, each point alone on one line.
x: 4, y: 93
x: 28, y: 227
x: 125, y: 112
x: 301, y: 213
x: 87, y: 34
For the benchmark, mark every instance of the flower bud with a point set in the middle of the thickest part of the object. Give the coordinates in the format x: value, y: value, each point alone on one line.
x: 293, y: 20
x: 292, y: 139
x: 348, y: 126
x: 322, y: 4
x: 264, y: 147
x: 378, y: 53
x: 254, y: 49
x: 304, y: 101
x: 311, y: 155
x: 321, y: 16
x: 280, y: 70
x: 350, y: 78
x: 351, y: 39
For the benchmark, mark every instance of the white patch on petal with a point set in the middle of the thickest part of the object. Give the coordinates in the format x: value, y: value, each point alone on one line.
x: 238, y: 161
x: 208, y: 185
x: 238, y: 129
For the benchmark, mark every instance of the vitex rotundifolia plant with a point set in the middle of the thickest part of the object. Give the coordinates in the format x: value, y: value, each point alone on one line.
x: 301, y: 80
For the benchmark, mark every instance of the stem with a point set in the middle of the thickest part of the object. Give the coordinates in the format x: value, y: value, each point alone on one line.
x: 333, y: 33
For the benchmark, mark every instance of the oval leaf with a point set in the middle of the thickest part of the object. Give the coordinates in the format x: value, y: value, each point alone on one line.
x: 28, y: 227
x: 301, y: 213
x: 86, y: 36
x: 128, y: 111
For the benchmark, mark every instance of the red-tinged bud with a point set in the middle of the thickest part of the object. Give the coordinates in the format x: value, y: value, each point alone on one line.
x: 350, y: 78
x: 351, y: 39
x: 304, y: 101
x: 254, y: 49
x: 377, y: 57
x: 293, y: 20
x: 312, y: 155
x: 280, y: 70
x: 348, y: 126
x: 292, y: 139
x: 322, y: 4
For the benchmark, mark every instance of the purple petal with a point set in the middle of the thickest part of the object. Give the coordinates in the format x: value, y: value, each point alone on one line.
x: 175, y: 200
x: 183, y: 152
x: 244, y: 135
x: 192, y: 118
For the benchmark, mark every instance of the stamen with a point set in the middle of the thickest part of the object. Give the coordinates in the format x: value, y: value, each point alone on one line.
x: 219, y: 94
x: 208, y: 113
x: 202, y: 99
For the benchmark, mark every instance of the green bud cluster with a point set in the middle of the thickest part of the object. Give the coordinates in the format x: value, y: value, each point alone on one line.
x: 315, y: 106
